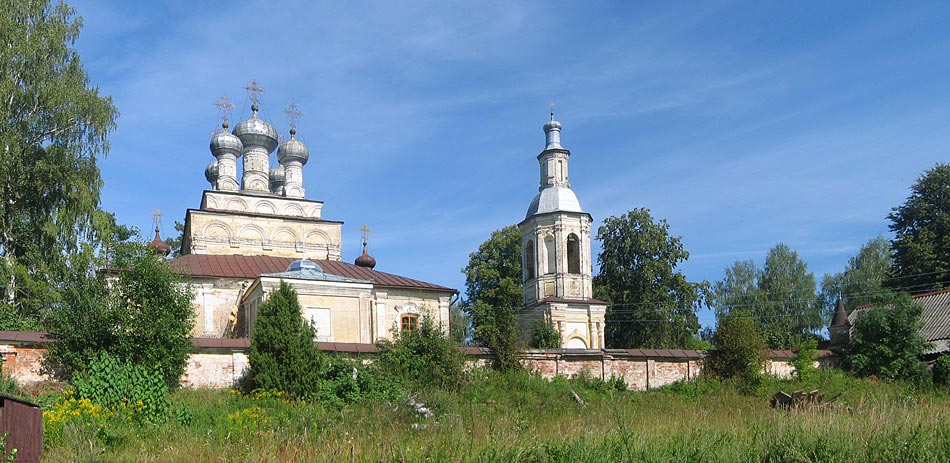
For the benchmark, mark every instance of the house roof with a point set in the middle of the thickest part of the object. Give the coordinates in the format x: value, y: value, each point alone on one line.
x: 935, y: 317
x: 250, y: 267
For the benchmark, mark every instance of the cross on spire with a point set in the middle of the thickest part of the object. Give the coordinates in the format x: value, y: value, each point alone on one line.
x: 254, y: 91
x: 157, y: 218
x: 293, y: 115
x: 364, y: 230
x: 224, y: 108
x: 552, y: 110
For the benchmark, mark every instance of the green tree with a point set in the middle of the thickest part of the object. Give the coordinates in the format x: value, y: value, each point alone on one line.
x: 493, y: 293
x: 423, y: 357
x: 790, y: 314
x: 739, y: 290
x: 739, y: 349
x: 922, y: 234
x: 862, y: 280
x: 283, y: 356
x: 544, y: 335
x: 175, y: 243
x: 53, y: 129
x: 143, y: 315
x: 651, y: 303
x: 886, y: 341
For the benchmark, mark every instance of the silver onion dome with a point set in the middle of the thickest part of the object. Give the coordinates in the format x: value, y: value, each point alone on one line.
x: 293, y: 150
x: 211, y: 172
x: 278, y: 175
x: 225, y: 142
x: 254, y: 131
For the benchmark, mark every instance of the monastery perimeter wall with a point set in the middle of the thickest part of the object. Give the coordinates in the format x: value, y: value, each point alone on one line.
x: 220, y: 363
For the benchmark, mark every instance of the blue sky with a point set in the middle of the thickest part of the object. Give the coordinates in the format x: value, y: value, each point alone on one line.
x: 743, y: 124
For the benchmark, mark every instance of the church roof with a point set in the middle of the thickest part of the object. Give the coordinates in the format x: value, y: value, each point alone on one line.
x: 249, y: 267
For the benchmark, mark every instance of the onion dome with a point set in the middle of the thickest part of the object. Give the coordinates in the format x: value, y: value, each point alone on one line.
x: 255, y: 132
x: 293, y: 150
x: 157, y: 246
x: 278, y: 175
x: 211, y: 172
x: 225, y: 142
x: 365, y: 260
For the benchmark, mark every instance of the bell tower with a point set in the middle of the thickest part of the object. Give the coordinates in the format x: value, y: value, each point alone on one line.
x: 556, y: 258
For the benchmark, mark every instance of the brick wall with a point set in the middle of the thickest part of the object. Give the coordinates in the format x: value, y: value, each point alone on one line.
x: 219, y: 363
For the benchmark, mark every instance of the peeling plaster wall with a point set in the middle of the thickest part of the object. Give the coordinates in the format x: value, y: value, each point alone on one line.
x: 219, y: 368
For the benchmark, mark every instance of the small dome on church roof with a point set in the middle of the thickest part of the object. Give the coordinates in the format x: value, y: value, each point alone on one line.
x: 365, y: 260
x: 293, y: 150
x: 225, y: 142
x: 304, y: 264
x: 211, y: 172
x: 256, y: 132
x: 278, y: 175
x: 554, y: 199
x: 158, y: 246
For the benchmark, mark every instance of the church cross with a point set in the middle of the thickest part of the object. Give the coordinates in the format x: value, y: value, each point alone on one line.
x: 157, y: 217
x: 364, y: 230
x: 224, y: 108
x: 293, y: 115
x: 254, y: 91
x: 552, y: 110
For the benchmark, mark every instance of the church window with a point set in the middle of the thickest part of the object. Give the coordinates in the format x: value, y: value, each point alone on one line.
x: 409, y: 322
x: 551, y: 256
x: 573, y: 254
x: 529, y: 260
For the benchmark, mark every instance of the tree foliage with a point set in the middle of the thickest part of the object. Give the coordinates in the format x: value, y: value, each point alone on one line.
x: 142, y: 315
x: 651, y: 303
x: 544, y: 335
x: 740, y: 349
x: 780, y: 297
x: 423, y: 358
x: 922, y: 234
x: 493, y: 294
x: 53, y: 129
x: 862, y: 280
x: 886, y: 342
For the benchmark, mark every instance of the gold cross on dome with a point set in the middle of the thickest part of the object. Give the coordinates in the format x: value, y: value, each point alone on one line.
x: 364, y: 230
x: 293, y: 115
x: 224, y: 108
x: 254, y: 91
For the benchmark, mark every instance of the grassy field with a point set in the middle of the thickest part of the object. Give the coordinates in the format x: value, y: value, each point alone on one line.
x: 521, y: 418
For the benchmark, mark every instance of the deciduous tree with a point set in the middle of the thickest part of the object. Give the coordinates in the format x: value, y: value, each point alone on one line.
x: 922, y: 234
x: 53, y: 129
x: 862, y: 281
x: 651, y: 302
x: 790, y: 315
x: 886, y: 342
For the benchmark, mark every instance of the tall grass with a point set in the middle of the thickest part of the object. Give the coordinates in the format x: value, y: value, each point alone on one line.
x: 518, y: 417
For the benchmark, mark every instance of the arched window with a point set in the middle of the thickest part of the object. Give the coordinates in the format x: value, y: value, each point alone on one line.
x: 409, y: 322
x: 573, y: 254
x: 529, y: 260
x: 551, y: 256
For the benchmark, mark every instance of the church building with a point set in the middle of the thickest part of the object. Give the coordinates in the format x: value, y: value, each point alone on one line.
x: 256, y: 227
x: 556, y: 258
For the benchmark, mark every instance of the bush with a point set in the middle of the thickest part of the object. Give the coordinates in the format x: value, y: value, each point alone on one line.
x: 144, y: 315
x: 423, y: 357
x: 544, y: 335
x: 740, y: 350
x: 941, y: 371
x: 804, y: 360
x: 124, y: 387
x: 886, y: 341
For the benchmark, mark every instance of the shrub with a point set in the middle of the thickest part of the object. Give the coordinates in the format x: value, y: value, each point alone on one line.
x: 544, y: 335
x: 804, y: 360
x: 941, y: 371
x: 423, y: 357
x: 143, y: 315
x: 740, y: 350
x: 886, y: 341
x: 125, y: 388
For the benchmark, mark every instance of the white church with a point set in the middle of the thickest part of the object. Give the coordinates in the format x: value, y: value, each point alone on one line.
x: 256, y: 227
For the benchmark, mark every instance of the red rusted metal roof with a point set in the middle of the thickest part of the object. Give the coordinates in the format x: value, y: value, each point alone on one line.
x: 250, y: 267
